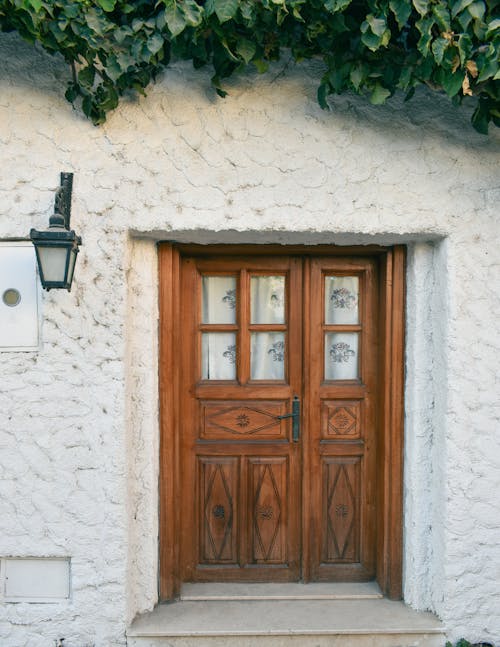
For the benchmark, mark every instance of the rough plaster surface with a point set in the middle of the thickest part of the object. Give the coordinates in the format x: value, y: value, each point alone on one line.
x: 78, y: 419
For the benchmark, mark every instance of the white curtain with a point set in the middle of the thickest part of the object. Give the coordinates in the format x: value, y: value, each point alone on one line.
x: 218, y: 356
x: 267, y: 299
x: 268, y: 356
x: 341, y: 299
x: 341, y: 356
x: 219, y: 299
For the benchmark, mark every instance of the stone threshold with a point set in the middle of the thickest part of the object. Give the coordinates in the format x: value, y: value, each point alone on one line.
x: 285, y: 617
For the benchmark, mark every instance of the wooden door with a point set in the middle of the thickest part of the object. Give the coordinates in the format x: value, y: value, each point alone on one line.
x: 241, y: 368
x: 342, y: 426
x: 252, y: 493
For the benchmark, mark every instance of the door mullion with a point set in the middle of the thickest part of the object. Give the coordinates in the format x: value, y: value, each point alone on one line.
x: 244, y: 335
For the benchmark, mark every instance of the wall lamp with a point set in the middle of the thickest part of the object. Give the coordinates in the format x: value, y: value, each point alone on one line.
x: 57, y: 247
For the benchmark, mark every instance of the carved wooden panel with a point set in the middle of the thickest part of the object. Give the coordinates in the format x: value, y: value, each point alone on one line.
x: 218, y: 515
x: 238, y: 420
x: 268, y: 513
x: 341, y: 419
x: 341, y: 502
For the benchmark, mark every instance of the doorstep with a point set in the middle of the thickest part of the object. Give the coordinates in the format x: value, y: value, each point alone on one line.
x: 298, y: 615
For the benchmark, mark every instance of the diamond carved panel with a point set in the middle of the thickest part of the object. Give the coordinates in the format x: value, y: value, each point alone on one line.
x: 341, y: 510
x: 268, y: 483
x: 341, y: 420
x: 218, y: 483
x: 242, y: 419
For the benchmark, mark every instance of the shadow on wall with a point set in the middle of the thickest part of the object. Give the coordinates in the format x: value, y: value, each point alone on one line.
x: 29, y: 66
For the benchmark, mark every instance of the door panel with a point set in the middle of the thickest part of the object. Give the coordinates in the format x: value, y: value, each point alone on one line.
x: 342, y: 418
x: 241, y: 367
x: 258, y: 504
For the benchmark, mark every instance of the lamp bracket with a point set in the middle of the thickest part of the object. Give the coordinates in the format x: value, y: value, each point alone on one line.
x: 62, y: 206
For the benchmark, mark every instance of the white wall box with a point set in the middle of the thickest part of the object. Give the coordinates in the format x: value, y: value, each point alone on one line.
x: 36, y: 579
x: 19, y: 321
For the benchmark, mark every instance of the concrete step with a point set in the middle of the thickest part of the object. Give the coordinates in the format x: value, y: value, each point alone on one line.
x: 374, y: 622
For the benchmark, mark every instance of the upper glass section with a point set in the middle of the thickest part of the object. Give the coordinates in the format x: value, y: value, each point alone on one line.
x: 219, y: 300
x: 267, y: 299
x: 341, y: 300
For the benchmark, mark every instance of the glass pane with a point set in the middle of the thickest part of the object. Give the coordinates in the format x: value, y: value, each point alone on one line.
x: 218, y: 356
x: 341, y: 299
x: 341, y: 356
x: 268, y: 356
x: 53, y: 262
x: 219, y: 299
x: 267, y: 299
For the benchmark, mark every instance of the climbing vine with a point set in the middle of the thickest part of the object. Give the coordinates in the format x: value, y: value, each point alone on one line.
x: 370, y: 47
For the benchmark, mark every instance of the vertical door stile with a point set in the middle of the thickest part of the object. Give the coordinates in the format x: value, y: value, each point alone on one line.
x: 308, y: 509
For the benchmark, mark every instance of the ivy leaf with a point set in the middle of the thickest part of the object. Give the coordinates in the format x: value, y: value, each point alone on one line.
x: 424, y: 26
x: 422, y: 6
x: 72, y: 92
x: 107, y: 5
x: 493, y: 27
x: 225, y: 9
x: 476, y: 10
x: 217, y: 86
x: 86, y: 76
x: 155, y: 43
x: 401, y: 10
x: 36, y: 4
x: 377, y: 25
x: 356, y: 76
x: 323, y: 92
x: 379, y: 94
x: 333, y: 6
x: 246, y: 49
x: 192, y: 13
x: 464, y: 48
x: 175, y: 18
x: 488, y: 70
x: 375, y: 33
x: 459, y: 6
x: 439, y: 46
x: 451, y: 82
x: 481, y: 118
x: 442, y: 15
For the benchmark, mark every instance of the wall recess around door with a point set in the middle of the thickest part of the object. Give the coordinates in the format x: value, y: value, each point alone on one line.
x: 19, y: 313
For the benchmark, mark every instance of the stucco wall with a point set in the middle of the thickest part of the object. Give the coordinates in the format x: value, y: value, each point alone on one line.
x: 78, y: 418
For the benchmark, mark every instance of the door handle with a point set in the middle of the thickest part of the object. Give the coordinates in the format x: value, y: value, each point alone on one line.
x: 295, y: 415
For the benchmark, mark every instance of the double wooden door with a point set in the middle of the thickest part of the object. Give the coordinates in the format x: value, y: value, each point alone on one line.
x: 281, y: 394
x: 278, y: 437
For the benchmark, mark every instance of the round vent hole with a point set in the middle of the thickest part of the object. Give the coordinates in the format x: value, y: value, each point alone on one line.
x: 11, y: 297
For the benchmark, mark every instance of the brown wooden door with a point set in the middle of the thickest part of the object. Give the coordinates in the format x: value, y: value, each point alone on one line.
x: 257, y: 503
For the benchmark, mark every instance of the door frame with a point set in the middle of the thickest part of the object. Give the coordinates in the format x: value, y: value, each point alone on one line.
x: 389, y: 545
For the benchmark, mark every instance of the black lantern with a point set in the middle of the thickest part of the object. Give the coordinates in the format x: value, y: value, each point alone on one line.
x: 57, y: 247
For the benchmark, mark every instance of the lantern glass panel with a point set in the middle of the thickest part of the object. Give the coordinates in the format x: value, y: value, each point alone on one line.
x: 71, y: 268
x: 53, y: 262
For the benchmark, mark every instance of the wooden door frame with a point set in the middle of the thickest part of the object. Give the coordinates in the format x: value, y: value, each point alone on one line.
x: 391, y: 394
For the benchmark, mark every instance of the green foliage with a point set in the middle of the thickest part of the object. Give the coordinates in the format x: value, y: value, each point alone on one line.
x: 465, y: 643
x: 370, y: 47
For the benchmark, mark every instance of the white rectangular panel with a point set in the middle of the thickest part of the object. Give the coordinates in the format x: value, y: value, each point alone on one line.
x: 19, y: 323
x: 43, y: 579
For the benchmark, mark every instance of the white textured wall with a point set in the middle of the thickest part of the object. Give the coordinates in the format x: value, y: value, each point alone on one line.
x: 79, y: 420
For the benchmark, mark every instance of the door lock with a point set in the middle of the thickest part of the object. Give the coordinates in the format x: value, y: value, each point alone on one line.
x: 295, y: 415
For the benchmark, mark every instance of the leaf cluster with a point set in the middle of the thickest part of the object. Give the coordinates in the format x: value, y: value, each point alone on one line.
x: 370, y: 47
